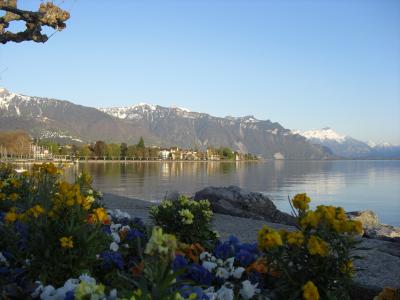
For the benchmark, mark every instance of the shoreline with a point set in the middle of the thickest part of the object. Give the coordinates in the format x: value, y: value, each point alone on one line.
x: 380, y: 266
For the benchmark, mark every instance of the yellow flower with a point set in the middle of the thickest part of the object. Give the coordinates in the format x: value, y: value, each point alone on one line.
x: 347, y: 267
x: 268, y: 238
x: 13, y: 196
x: 2, y: 196
x: 341, y: 214
x: 187, y: 216
x: 36, y: 210
x: 317, y: 246
x: 207, y: 214
x: 310, y: 219
x: 99, y: 215
x: 166, y: 204
x: 66, y: 242
x: 300, y: 201
x: 11, y: 217
x: 310, y: 291
x: 87, y: 290
x: 161, y: 244
x: 295, y: 238
x: 87, y: 202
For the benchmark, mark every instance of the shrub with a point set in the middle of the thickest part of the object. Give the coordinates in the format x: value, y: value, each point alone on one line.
x: 188, y: 219
x: 52, y: 227
x: 316, y: 261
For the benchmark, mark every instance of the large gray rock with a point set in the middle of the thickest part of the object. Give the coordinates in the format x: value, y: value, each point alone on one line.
x: 234, y: 201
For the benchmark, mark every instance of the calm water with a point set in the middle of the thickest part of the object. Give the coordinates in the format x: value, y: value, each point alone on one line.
x: 354, y: 185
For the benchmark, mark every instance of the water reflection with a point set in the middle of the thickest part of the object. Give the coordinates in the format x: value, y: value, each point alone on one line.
x: 352, y: 184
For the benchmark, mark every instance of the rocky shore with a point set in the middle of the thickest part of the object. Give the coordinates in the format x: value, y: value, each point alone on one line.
x: 242, y: 213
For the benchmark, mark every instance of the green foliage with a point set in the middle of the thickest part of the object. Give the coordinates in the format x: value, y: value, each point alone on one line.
x: 123, y: 149
x: 141, y: 143
x: 113, y: 151
x: 188, y: 219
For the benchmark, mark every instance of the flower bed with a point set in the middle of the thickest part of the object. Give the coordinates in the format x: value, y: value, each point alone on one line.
x: 59, y: 242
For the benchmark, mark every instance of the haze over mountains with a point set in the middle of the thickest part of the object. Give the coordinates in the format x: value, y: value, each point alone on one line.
x: 348, y: 147
x: 169, y: 126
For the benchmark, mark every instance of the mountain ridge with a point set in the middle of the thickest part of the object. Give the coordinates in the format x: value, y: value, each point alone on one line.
x: 52, y: 118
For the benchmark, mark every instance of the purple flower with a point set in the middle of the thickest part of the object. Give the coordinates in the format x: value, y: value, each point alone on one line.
x: 179, y: 263
x: 69, y: 295
x: 134, y: 234
x: 138, y: 221
x: 111, y: 258
x: 244, y: 257
x: 199, y: 274
x: 224, y: 250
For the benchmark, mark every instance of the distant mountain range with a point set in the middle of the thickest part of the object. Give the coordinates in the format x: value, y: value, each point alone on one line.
x: 173, y: 126
x: 348, y: 147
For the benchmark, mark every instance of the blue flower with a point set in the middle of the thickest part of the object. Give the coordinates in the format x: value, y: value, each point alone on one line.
x: 179, y: 263
x: 224, y: 250
x: 186, y: 291
x: 69, y: 295
x: 134, y: 234
x: 111, y: 258
x: 138, y: 221
x: 252, y: 248
x: 106, y: 229
x: 199, y: 274
x: 244, y: 257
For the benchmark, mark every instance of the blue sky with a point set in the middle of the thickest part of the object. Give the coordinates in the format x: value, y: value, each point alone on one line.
x: 305, y: 64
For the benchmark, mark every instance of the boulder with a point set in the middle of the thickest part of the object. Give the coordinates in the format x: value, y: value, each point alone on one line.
x: 172, y: 195
x: 368, y: 218
x: 234, y: 201
x: 373, y: 229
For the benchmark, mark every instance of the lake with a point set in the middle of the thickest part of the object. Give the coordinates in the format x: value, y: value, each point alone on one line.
x: 354, y: 185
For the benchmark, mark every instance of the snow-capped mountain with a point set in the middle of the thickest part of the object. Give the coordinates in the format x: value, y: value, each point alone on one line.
x: 348, y: 147
x: 163, y: 126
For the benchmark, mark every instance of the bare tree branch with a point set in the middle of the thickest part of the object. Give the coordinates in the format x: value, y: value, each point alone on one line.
x: 47, y: 15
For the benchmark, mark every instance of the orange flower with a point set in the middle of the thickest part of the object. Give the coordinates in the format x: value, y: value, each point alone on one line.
x: 192, y: 251
x: 258, y: 266
x: 138, y: 269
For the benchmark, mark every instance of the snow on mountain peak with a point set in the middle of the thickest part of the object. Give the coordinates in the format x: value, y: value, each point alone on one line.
x: 322, y: 134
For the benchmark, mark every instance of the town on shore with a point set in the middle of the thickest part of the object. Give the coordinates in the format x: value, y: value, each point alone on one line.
x: 19, y: 146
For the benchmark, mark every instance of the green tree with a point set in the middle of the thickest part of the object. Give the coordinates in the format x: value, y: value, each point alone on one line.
x: 141, y: 143
x: 84, y: 151
x: 113, y: 151
x: 123, y: 148
x: 226, y: 153
x: 99, y: 148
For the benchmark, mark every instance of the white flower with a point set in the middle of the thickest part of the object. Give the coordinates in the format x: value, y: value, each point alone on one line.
x: 238, y: 272
x: 114, y: 246
x: 209, y: 266
x: 38, y: 290
x: 48, y: 292
x: 248, y: 290
x: 86, y: 278
x: 205, y: 255
x: 3, y: 260
x: 210, y: 292
x: 116, y: 237
x: 114, y: 227
x: 222, y: 273
x: 225, y: 293
x: 113, y: 294
x: 126, y: 227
